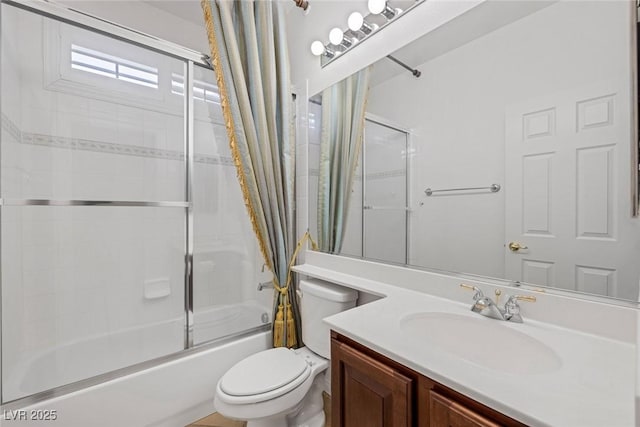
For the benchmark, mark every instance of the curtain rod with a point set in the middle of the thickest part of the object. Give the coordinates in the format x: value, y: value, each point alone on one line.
x: 416, y: 73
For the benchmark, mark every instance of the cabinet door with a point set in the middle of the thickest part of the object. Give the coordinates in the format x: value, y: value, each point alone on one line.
x: 366, y: 392
x: 445, y: 412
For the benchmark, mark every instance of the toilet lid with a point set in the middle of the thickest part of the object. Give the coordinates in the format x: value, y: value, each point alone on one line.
x: 263, y: 372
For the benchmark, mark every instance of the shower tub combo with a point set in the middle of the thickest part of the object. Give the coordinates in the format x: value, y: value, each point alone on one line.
x: 128, y: 263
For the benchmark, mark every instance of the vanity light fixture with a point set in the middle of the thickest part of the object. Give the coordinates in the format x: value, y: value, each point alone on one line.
x: 359, y: 28
x: 380, y: 7
x: 337, y: 38
x: 317, y: 48
x: 358, y: 25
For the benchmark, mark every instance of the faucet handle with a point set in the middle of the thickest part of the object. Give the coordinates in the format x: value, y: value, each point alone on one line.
x: 512, y: 309
x: 513, y: 298
x: 478, y: 293
x: 497, y: 293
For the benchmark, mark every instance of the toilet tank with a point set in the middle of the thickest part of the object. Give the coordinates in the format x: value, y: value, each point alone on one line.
x: 319, y: 299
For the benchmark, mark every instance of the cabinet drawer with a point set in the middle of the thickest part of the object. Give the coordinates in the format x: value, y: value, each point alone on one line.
x: 444, y: 412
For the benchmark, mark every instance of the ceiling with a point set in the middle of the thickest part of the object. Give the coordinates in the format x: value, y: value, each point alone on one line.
x: 190, y: 10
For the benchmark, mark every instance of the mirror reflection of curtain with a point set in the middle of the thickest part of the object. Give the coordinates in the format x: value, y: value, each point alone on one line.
x: 343, y: 113
x: 249, y: 54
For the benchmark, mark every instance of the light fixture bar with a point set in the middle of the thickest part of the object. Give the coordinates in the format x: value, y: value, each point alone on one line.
x: 388, y: 12
x: 359, y: 29
x: 381, y: 7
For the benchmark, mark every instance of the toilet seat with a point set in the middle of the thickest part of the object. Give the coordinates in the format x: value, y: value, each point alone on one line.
x: 263, y: 376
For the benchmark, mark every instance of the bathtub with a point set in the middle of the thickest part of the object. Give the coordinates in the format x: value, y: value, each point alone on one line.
x: 221, y: 321
x: 170, y: 394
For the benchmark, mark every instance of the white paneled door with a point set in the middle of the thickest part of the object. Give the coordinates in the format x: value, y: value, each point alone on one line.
x: 568, y: 203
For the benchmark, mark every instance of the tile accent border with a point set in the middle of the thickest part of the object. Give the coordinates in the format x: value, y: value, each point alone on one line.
x: 387, y: 174
x: 11, y: 128
x: 370, y: 176
x: 104, y: 147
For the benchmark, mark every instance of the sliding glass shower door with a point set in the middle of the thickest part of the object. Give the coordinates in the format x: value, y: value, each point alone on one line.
x: 225, y: 253
x: 385, y: 206
x: 378, y: 212
x: 113, y: 158
x: 93, y: 190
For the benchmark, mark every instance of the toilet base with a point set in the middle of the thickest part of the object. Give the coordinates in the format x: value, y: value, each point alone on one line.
x: 308, y: 413
x: 311, y: 412
x: 317, y: 421
x: 268, y: 422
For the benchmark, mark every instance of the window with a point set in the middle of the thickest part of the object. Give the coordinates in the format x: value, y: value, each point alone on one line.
x: 105, y: 65
x: 202, y: 91
x: 93, y: 61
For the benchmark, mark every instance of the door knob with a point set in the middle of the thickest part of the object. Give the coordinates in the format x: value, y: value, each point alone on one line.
x: 515, y: 246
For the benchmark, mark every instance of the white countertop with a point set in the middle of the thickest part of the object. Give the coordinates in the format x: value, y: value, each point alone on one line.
x: 594, y: 386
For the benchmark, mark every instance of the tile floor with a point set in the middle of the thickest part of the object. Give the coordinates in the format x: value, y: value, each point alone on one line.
x: 217, y: 420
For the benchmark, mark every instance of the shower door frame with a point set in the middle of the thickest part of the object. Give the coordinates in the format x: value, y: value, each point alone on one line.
x: 381, y: 121
x: 190, y: 59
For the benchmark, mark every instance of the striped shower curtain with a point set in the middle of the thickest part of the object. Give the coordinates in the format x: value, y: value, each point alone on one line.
x: 250, y: 58
x: 343, y: 113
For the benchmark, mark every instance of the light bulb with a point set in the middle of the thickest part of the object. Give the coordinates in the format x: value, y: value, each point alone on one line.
x: 317, y: 48
x: 335, y: 36
x: 377, y: 6
x: 355, y: 21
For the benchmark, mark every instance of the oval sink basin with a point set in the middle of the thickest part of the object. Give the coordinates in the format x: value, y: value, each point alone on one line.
x: 482, y: 341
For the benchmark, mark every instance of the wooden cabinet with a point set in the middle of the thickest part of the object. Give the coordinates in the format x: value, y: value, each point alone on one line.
x: 367, y: 392
x: 447, y: 412
x: 368, y: 389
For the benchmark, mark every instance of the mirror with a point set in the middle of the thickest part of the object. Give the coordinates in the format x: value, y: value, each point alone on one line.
x: 510, y: 157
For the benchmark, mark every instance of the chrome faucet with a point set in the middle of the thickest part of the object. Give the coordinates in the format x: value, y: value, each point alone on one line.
x: 485, y: 306
x: 512, y: 308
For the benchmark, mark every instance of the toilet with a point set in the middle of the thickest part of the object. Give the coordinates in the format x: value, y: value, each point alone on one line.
x: 283, y: 387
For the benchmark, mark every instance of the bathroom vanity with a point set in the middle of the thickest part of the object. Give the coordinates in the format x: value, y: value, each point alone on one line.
x: 510, y: 165
x: 419, y: 356
x: 371, y: 389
